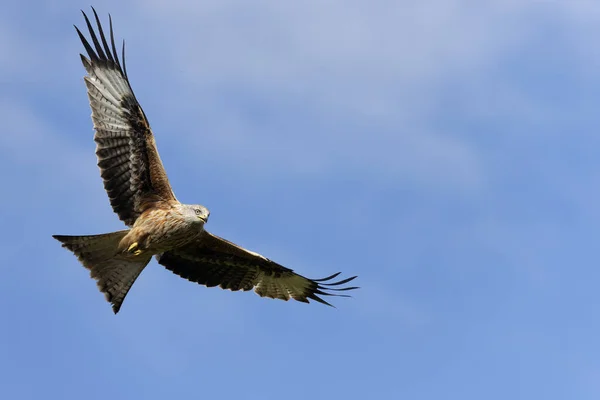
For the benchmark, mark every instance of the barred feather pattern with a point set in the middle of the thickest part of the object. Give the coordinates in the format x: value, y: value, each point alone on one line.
x: 129, y: 163
x: 114, y: 272
x: 213, y: 261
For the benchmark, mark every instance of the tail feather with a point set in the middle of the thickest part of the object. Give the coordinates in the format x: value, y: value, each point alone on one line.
x: 113, y: 271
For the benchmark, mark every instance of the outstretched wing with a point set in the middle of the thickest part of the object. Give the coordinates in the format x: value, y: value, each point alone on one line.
x: 213, y: 261
x: 129, y: 163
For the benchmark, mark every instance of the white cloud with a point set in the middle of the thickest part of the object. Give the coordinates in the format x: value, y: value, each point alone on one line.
x: 368, y: 74
x: 361, y: 47
x: 365, y: 77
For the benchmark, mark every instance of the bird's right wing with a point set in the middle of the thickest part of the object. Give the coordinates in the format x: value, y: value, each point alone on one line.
x: 130, y: 166
x: 213, y: 261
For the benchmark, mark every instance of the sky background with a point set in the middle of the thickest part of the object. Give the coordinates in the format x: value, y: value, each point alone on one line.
x: 446, y: 151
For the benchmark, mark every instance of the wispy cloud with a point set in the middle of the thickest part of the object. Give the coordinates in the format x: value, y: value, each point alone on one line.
x: 444, y: 151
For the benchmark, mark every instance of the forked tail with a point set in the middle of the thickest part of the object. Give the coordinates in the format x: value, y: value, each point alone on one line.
x: 114, y: 272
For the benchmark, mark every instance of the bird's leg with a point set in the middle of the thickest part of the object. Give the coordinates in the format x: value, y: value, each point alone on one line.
x: 134, y: 249
x: 134, y: 243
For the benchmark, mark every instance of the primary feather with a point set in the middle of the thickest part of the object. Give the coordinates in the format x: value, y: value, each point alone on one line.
x: 127, y: 156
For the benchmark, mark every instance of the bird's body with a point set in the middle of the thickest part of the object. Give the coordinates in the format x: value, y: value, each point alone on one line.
x: 141, y: 195
x: 165, y: 226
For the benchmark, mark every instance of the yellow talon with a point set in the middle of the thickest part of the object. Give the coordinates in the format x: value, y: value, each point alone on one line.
x: 133, y: 246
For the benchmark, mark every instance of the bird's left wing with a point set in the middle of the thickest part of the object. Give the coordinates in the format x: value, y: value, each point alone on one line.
x: 130, y: 166
x: 213, y: 261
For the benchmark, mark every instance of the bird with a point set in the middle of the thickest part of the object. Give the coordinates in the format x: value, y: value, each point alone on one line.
x: 158, y: 225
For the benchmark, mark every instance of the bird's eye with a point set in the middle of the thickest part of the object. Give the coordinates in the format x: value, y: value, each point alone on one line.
x: 198, y: 212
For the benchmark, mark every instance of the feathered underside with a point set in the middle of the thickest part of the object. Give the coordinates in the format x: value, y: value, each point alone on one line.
x: 129, y: 163
x: 213, y: 261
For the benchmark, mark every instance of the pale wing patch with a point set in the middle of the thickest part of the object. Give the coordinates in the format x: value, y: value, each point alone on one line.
x: 283, y: 288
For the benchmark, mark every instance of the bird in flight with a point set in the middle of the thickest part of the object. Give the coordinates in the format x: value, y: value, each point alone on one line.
x: 159, y: 225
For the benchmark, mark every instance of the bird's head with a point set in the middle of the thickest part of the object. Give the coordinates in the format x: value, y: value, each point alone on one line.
x: 197, y: 212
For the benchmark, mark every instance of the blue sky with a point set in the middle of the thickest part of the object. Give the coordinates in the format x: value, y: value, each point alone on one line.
x: 444, y: 151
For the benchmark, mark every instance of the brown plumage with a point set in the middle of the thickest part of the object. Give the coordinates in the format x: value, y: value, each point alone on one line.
x: 141, y: 195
